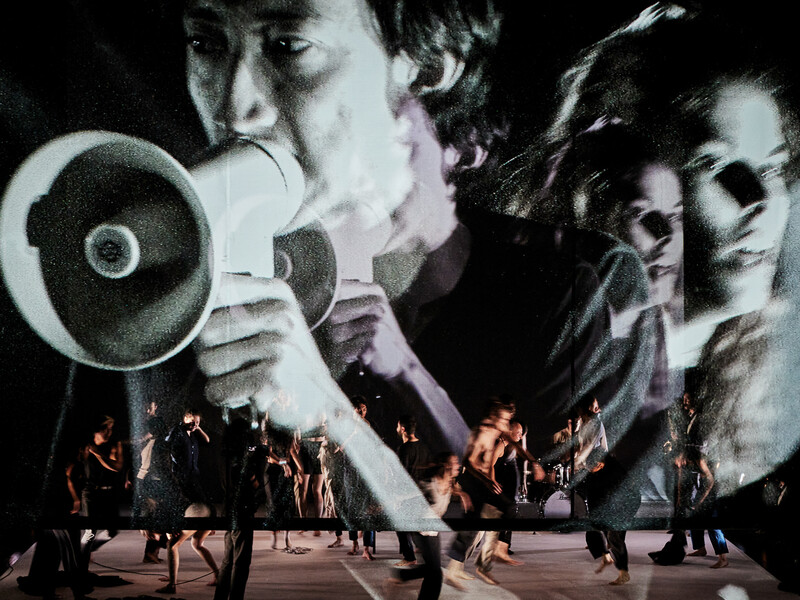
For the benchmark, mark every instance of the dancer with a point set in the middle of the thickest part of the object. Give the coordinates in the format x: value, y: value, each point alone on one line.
x: 176, y: 540
x: 486, y: 494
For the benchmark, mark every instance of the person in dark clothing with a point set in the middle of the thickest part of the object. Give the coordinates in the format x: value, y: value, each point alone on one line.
x: 153, y: 481
x: 244, y: 467
x: 416, y: 458
x: 54, y: 546
x: 184, y: 450
x: 103, y: 461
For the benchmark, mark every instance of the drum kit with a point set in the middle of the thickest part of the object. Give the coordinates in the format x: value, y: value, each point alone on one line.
x: 554, y: 497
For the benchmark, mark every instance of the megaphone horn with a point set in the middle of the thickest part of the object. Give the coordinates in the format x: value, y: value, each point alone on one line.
x: 113, y: 251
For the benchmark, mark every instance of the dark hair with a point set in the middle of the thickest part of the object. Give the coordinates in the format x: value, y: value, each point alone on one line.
x: 497, y: 404
x: 358, y: 400
x: 409, y: 423
x: 601, y: 166
x: 439, y: 463
x: 432, y: 35
x: 658, y: 76
x: 585, y: 402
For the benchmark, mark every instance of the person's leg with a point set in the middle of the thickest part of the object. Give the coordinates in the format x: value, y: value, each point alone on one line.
x: 317, y: 482
x: 369, y: 542
x: 431, y: 551
x: 337, y: 543
x: 225, y: 569
x: 720, y: 548
x: 242, y: 558
x: 698, y: 542
x: 44, y: 566
x: 502, y: 551
x: 173, y: 560
x: 406, y: 548
x: 618, y: 548
x: 197, y: 545
x: 302, y: 494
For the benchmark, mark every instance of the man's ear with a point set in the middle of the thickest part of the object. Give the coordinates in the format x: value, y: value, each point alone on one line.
x: 404, y: 70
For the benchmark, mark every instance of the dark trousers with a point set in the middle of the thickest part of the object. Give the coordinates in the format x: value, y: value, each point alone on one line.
x: 406, y: 547
x: 368, y: 538
x: 235, y: 568
x: 717, y: 540
x: 480, y: 495
x: 616, y: 545
x: 430, y: 571
x: 54, y: 546
x: 99, y: 504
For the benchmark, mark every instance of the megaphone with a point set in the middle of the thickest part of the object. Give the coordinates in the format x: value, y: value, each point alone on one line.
x: 113, y: 251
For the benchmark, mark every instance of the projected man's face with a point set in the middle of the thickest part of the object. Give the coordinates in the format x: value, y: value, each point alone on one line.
x: 654, y: 227
x: 311, y: 76
x: 737, y: 202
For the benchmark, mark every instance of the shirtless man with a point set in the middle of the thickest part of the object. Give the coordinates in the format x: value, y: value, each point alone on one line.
x: 485, y: 447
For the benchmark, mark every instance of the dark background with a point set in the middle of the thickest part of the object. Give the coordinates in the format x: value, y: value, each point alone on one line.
x: 93, y: 64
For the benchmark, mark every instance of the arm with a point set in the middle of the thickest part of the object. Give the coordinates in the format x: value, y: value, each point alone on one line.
x: 362, y: 327
x: 256, y: 349
x: 115, y: 458
x: 76, y: 501
x: 707, y: 477
x: 202, y: 434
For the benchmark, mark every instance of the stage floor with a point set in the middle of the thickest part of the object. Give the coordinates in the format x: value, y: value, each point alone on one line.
x: 557, y: 566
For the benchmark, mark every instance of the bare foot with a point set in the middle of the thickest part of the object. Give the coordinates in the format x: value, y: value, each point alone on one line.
x: 336, y: 544
x: 698, y: 552
x: 453, y: 582
x: 505, y: 558
x: 405, y: 563
x: 722, y: 561
x: 623, y: 577
x: 487, y: 576
x: 167, y: 589
x: 354, y: 551
x: 367, y: 555
x: 605, y: 560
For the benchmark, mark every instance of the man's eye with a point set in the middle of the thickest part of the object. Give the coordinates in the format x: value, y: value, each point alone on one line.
x: 204, y: 44
x: 706, y: 162
x: 288, y: 46
x: 771, y: 171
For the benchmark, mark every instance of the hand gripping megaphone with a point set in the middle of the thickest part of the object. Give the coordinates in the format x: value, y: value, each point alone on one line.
x: 112, y: 250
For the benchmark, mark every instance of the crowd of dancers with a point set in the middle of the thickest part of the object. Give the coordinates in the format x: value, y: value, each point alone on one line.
x: 283, y: 475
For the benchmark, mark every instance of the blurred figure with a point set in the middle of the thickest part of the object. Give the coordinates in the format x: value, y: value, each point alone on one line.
x: 438, y: 485
x: 176, y: 540
x: 184, y: 441
x: 724, y: 129
x: 103, y: 463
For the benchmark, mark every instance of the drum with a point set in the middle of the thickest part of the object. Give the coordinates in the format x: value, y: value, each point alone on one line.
x: 557, y: 505
x: 557, y: 475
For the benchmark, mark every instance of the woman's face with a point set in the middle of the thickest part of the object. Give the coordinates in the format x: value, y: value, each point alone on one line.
x: 653, y: 225
x: 737, y: 202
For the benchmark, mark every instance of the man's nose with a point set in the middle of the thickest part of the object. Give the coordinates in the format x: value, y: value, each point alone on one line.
x: 250, y: 107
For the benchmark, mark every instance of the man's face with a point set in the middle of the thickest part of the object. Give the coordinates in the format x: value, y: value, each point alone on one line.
x: 311, y: 76
x: 516, y: 432
x: 190, y: 419
x: 361, y: 411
